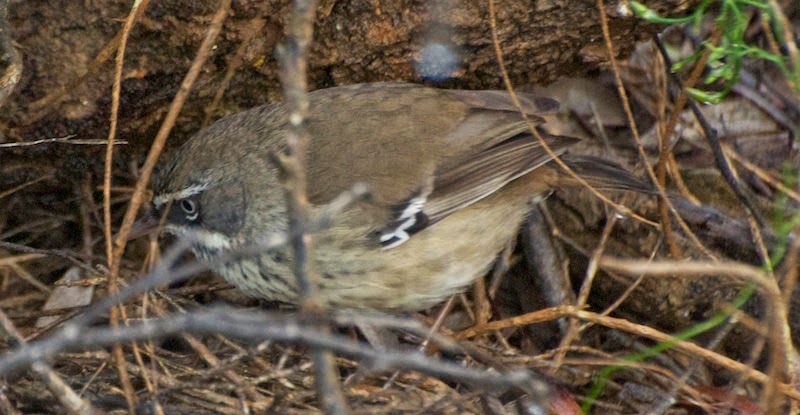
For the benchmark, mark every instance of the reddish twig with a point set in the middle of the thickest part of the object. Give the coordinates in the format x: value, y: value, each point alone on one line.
x: 119, y: 359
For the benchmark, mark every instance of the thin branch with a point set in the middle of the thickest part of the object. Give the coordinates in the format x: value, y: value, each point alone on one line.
x: 690, y: 348
x: 723, y: 164
x: 58, y: 253
x: 119, y: 359
x: 696, y: 269
x: 635, y: 131
x: 292, y: 56
x: 623, y: 210
x: 325, y: 216
x: 62, y: 140
x: 158, y: 143
x: 573, y: 330
x: 791, y: 45
x: 70, y: 400
x: 164, y: 274
x: 259, y: 326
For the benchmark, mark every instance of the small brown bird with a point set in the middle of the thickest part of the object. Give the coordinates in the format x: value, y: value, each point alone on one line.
x: 451, y: 175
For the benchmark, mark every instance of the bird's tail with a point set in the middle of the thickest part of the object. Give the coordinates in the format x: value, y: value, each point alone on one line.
x: 603, y: 174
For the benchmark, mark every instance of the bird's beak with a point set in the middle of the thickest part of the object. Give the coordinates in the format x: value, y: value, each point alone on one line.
x: 145, y: 225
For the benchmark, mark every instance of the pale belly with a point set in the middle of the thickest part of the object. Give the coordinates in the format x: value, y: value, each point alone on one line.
x: 434, y: 264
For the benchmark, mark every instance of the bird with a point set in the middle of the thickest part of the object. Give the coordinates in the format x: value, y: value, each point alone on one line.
x: 450, y: 174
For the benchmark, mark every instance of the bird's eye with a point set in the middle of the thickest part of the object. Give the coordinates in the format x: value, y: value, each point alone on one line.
x: 189, y: 208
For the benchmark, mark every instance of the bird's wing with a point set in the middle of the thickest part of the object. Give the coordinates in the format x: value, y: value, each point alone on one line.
x: 489, y: 170
x: 460, y: 185
x: 423, y: 153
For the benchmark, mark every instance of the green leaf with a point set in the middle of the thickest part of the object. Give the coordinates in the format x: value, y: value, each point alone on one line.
x: 705, y: 97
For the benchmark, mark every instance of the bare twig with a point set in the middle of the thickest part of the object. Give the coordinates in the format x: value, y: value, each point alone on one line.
x: 169, y: 121
x: 696, y: 269
x: 664, y: 132
x: 58, y: 253
x: 635, y: 131
x: 256, y: 327
x: 158, y: 144
x: 292, y: 56
x: 623, y: 210
x: 324, y: 217
x: 549, y: 314
x: 761, y: 173
x: 65, y: 395
x: 723, y: 165
x: 6, y: 193
x: 62, y: 140
x: 776, y: 314
x: 780, y: 344
x: 119, y: 359
x: 583, y: 295
x: 791, y: 45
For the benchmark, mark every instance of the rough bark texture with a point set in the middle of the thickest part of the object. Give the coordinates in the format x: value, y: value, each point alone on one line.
x: 355, y: 41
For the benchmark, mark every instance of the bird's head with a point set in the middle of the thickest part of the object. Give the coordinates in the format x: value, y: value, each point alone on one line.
x: 198, y: 195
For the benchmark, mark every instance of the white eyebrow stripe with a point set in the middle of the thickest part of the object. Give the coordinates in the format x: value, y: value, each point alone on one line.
x: 161, y: 200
